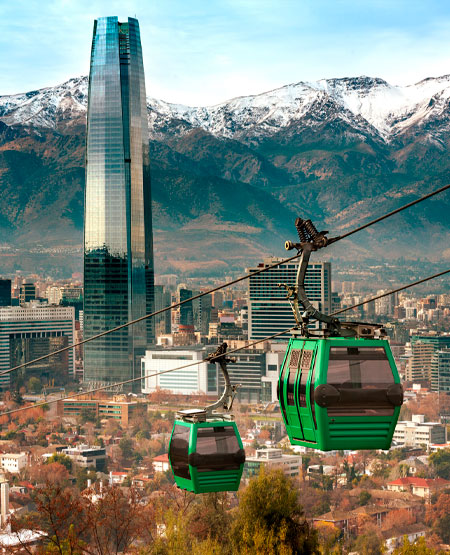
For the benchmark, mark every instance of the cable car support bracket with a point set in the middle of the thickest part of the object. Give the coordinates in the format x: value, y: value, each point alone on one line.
x: 312, y: 240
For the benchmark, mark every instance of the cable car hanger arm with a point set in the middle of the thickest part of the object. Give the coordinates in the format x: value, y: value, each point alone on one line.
x: 226, y: 400
x: 310, y: 240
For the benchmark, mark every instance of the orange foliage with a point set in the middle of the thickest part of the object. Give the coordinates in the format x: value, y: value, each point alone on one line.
x: 264, y: 435
x: 439, y: 510
x: 52, y: 473
x: 4, y: 419
x: 33, y: 413
x: 431, y: 405
x: 398, y: 519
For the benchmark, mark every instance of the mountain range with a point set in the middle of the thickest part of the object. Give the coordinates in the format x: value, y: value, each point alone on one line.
x: 229, y: 180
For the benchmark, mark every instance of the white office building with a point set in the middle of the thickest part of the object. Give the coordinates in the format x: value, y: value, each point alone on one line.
x: 269, y: 382
x: 272, y: 458
x: 195, y: 378
x: 417, y: 432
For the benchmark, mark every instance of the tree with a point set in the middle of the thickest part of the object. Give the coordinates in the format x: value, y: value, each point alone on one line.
x: 440, y: 461
x: 126, y: 446
x: 87, y: 415
x: 364, y: 497
x: 210, y: 518
x: 264, y: 435
x: 370, y: 542
x: 34, y: 384
x: 398, y: 518
x: 438, y: 516
x: 161, y: 425
x: 81, y: 524
x: 328, y: 536
x: 270, y: 519
x: 419, y: 547
x: 59, y: 511
x: 61, y: 459
x: 117, y: 519
x: 52, y: 474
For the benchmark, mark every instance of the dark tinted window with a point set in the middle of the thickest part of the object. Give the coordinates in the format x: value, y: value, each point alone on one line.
x: 178, y: 453
x: 293, y: 366
x: 291, y: 386
x: 217, y: 449
x: 353, y: 369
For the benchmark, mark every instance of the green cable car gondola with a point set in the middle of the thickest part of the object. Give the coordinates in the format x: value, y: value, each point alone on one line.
x: 205, y: 451
x: 339, y: 387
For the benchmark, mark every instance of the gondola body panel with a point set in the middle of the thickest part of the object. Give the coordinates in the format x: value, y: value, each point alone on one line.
x: 206, y: 456
x: 360, y: 373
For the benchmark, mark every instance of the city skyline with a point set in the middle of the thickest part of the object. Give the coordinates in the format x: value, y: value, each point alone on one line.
x: 205, y: 54
x: 118, y: 259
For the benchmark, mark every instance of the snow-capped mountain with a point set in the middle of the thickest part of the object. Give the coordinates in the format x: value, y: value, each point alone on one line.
x: 370, y: 105
x: 228, y: 180
x: 46, y: 107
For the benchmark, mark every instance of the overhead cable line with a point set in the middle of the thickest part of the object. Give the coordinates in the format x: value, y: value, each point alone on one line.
x: 145, y: 376
x: 219, y: 287
x: 396, y: 211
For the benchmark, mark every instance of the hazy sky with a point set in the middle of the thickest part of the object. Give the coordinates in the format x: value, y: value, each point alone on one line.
x: 201, y: 52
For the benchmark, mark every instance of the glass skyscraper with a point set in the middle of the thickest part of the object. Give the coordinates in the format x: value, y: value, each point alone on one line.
x: 269, y: 311
x: 118, y: 247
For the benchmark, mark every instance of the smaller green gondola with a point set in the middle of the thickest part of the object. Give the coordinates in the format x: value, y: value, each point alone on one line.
x: 206, y: 456
x: 205, y: 450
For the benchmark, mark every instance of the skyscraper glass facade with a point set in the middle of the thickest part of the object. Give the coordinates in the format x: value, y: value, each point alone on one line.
x: 118, y: 255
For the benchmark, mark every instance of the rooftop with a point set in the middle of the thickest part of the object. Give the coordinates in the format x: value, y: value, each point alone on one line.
x: 419, y: 482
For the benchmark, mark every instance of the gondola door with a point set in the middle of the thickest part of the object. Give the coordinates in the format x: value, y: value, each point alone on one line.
x: 289, y: 389
x: 306, y: 366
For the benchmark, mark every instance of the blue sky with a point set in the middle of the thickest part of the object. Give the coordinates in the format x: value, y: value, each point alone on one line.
x: 201, y: 52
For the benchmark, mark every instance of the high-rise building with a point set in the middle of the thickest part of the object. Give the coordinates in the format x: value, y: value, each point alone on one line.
x: 27, y: 293
x: 186, y: 311
x: 440, y: 371
x: 118, y: 256
x: 269, y: 311
x: 423, y: 349
x: 5, y: 292
x: 32, y: 331
x: 163, y: 299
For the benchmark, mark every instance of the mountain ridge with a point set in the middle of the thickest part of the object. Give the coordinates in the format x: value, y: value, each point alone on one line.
x: 229, y: 180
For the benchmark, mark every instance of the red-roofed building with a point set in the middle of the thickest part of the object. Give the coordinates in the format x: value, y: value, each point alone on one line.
x: 161, y: 463
x: 423, y: 487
